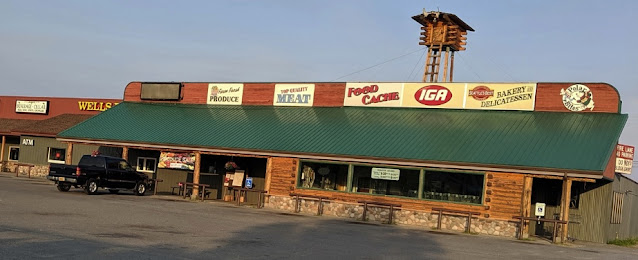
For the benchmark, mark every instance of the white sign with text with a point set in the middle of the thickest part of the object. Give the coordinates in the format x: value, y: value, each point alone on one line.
x: 385, y: 174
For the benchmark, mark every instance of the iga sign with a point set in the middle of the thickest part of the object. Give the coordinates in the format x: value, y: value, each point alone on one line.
x: 225, y: 94
x: 95, y: 106
x: 434, y: 95
x: 294, y: 95
x: 32, y: 107
x: 373, y: 94
x: 501, y: 96
x: 624, y: 158
x: 385, y: 174
x: 182, y: 161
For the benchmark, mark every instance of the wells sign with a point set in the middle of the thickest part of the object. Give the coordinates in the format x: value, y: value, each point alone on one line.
x: 95, y: 106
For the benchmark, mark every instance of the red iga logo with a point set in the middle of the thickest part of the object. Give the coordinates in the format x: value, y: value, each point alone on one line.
x: 433, y: 95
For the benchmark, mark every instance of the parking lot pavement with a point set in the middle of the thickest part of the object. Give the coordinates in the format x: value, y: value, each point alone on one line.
x: 37, y: 221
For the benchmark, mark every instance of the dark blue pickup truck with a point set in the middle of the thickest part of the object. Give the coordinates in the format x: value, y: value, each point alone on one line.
x: 97, y: 171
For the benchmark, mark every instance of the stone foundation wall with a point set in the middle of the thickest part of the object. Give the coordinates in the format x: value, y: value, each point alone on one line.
x: 37, y: 171
x: 401, y: 216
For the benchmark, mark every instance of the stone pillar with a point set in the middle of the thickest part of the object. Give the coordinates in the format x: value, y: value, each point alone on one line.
x: 526, y: 204
x: 198, y: 158
x: 564, y: 206
x: 125, y: 153
x: 68, y: 159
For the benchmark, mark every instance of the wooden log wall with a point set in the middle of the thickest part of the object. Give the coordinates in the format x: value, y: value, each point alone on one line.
x: 502, y: 194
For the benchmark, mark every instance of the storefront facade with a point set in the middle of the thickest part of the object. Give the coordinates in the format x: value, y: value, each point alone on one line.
x: 475, y: 147
x: 28, y: 126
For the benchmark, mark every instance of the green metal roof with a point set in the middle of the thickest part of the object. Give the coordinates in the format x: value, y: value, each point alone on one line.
x: 576, y: 141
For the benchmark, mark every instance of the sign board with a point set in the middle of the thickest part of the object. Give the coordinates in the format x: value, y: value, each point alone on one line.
x: 225, y: 94
x: 373, y: 94
x: 95, y: 106
x: 182, y: 161
x: 32, y: 107
x: 624, y: 158
x: 539, y: 209
x: 500, y: 96
x: 577, y: 97
x: 294, y: 95
x: 249, y: 183
x: 433, y: 95
x: 385, y: 174
x: 27, y: 142
x: 238, y: 179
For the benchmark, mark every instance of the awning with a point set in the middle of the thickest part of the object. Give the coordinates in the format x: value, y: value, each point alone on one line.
x: 575, y: 142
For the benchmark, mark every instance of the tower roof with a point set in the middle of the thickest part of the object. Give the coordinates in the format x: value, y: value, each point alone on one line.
x: 429, y: 17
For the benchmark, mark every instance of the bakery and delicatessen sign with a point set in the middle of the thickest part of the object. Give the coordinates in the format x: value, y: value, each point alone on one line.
x: 500, y: 96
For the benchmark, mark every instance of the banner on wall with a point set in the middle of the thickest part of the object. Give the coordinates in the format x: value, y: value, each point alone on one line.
x: 182, y: 161
x: 373, y: 94
x: 500, y: 96
x: 433, y: 95
x: 32, y: 107
x: 294, y: 95
x: 225, y: 94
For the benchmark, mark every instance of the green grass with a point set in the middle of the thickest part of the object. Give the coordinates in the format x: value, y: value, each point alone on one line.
x: 624, y: 242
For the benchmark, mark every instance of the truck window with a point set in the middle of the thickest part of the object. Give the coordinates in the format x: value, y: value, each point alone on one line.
x: 124, y: 165
x: 112, y: 164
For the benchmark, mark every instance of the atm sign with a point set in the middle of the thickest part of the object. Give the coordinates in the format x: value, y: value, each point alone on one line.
x: 433, y: 95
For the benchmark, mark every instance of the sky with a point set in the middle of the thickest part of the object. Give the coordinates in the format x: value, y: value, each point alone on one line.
x: 94, y: 48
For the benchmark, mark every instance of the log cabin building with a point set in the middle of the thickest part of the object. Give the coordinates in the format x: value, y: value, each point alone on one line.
x: 490, y: 148
x: 29, y: 125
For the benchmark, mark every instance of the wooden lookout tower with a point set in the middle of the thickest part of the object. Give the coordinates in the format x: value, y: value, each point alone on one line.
x: 443, y: 34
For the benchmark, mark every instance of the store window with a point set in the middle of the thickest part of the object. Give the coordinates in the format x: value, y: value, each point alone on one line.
x: 323, y: 176
x: 146, y: 164
x: 453, y: 186
x: 386, y: 181
x: 57, y: 155
x: 14, y: 153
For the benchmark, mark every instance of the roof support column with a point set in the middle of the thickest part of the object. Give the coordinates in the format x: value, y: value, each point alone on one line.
x: 350, y: 178
x: 526, y: 204
x: 268, y: 174
x: 125, y: 153
x: 421, y: 183
x: 198, y: 159
x: 4, y: 141
x: 564, y: 207
x: 69, y: 153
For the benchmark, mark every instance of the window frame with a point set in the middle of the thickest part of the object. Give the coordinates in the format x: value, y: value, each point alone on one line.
x: 9, y: 153
x: 55, y: 161
x: 137, y: 167
x: 483, y: 188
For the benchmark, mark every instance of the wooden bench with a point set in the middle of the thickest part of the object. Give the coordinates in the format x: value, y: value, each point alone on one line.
x: 202, y: 193
x: 453, y: 212
x: 18, y: 165
x: 391, y: 206
x: 239, y: 190
x: 298, y: 198
x: 555, y: 221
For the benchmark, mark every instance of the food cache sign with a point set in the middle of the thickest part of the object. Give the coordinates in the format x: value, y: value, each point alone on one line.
x: 373, y: 94
x: 385, y: 174
x: 624, y: 158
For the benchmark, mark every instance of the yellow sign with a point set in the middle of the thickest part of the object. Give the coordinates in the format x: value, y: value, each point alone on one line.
x: 95, y: 106
x: 500, y: 96
x: 433, y: 95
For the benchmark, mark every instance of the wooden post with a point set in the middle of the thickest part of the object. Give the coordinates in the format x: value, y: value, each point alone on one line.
x: 526, y: 205
x: 125, y: 153
x: 4, y: 141
x: 421, y: 183
x: 452, y: 67
x: 268, y: 180
x: 445, y: 63
x: 350, y: 178
x: 564, y: 208
x: 69, y: 153
x: 198, y: 157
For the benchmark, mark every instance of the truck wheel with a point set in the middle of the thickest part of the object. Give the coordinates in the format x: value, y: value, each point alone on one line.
x: 140, y: 189
x: 64, y: 187
x: 112, y: 191
x: 91, y: 187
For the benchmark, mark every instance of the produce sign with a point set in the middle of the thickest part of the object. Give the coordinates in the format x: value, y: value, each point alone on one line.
x: 385, y: 174
x: 624, y: 158
x: 501, y: 96
x: 183, y: 161
x: 225, y: 94
x: 373, y: 94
